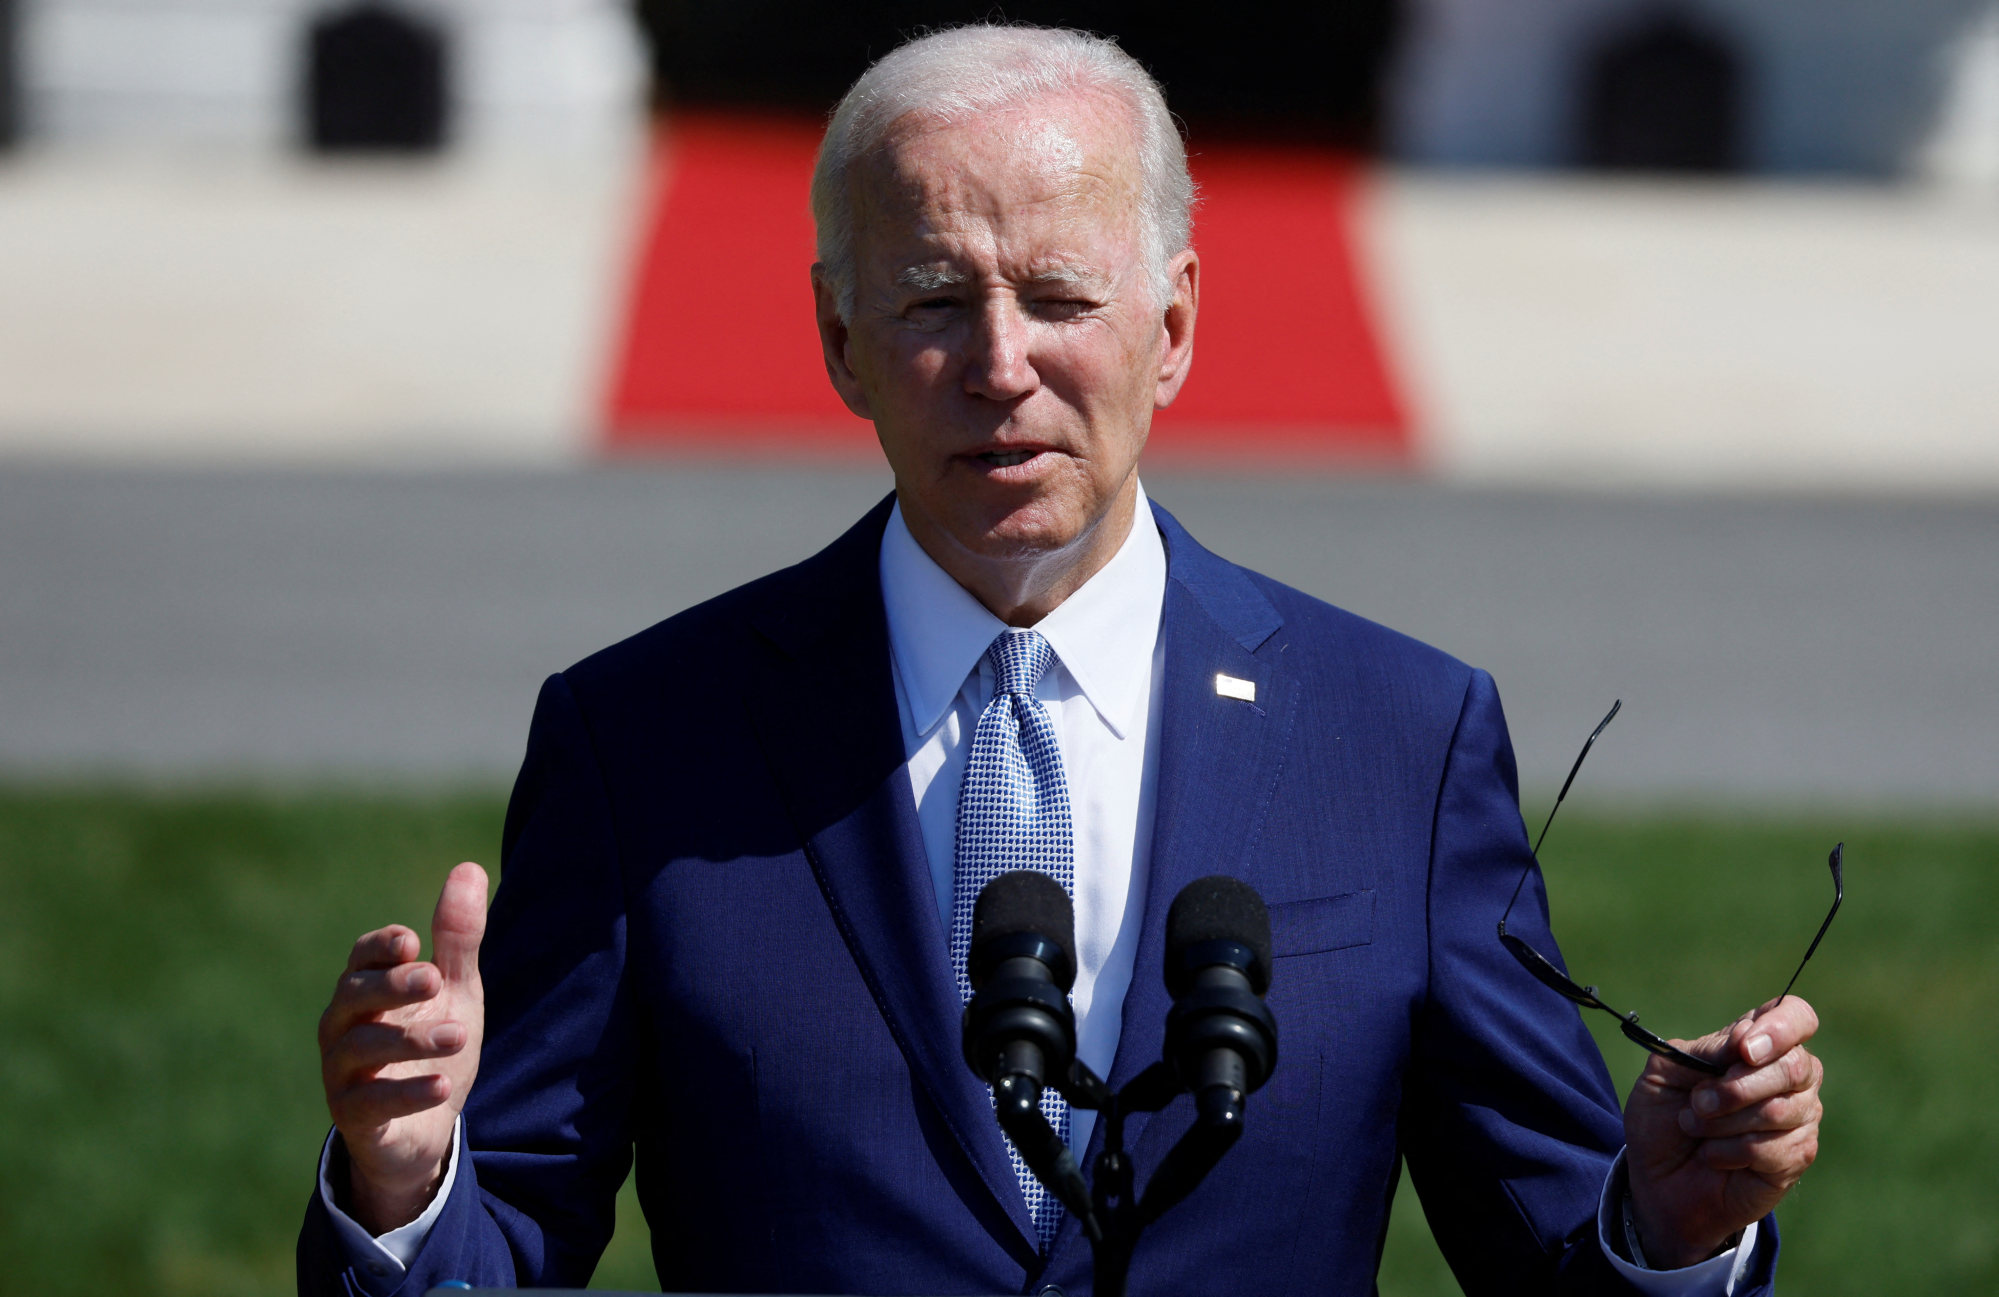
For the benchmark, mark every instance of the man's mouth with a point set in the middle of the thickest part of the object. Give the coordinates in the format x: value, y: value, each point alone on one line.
x: 1008, y: 458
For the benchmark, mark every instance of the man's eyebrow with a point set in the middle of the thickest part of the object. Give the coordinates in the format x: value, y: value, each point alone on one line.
x: 928, y: 279
x: 1065, y: 275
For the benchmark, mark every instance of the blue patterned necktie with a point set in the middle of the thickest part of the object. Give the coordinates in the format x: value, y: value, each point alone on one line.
x: 1013, y: 813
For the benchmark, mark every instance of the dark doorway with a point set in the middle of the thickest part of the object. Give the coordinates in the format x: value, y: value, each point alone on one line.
x: 10, y: 75
x: 1313, y: 73
x: 375, y: 80
x: 1663, y: 94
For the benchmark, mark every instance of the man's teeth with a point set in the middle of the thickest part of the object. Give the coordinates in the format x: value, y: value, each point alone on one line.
x: 1007, y: 458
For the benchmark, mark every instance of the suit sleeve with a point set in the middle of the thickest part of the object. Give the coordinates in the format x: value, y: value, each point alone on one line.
x: 548, y: 1122
x: 1509, y: 1123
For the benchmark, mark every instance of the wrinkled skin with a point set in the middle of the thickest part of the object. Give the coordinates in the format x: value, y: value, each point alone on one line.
x: 1007, y: 341
x: 1708, y: 1155
x: 398, y: 1051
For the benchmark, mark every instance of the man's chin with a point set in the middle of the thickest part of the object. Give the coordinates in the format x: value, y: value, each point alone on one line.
x: 1035, y: 529
x: 1032, y: 527
x: 1018, y: 545
x: 1027, y: 526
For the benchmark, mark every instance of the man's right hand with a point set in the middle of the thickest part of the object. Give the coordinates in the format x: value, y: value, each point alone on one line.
x: 398, y: 1050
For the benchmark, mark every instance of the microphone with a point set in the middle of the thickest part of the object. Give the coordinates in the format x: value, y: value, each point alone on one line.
x: 1019, y: 1032
x: 1022, y: 965
x: 1220, y: 1037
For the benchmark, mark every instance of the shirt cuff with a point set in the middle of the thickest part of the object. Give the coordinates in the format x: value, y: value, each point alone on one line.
x: 386, y: 1256
x: 1714, y: 1277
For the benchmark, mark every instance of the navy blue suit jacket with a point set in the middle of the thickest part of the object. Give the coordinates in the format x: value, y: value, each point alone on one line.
x: 716, y: 946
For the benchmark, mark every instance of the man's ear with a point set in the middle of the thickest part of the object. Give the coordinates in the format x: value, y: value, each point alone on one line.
x: 1176, y: 352
x: 834, y: 339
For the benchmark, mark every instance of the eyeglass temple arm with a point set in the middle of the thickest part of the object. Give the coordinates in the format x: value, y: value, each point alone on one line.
x: 1833, y: 862
x: 1588, y: 743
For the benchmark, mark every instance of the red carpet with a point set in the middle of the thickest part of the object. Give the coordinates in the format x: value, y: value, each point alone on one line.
x: 719, y: 352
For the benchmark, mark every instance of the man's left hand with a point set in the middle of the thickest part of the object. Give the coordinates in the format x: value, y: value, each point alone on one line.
x: 1710, y: 1154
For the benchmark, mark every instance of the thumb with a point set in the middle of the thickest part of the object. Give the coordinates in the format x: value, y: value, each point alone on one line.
x: 1773, y: 1029
x: 458, y: 924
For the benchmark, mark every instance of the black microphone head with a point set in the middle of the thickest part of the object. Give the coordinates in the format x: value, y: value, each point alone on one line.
x: 1023, y: 913
x: 1208, y: 916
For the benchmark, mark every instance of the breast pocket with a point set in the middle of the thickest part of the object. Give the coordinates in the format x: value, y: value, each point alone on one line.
x: 1324, y: 923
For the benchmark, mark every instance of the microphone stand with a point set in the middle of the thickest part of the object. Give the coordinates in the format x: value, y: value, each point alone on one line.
x: 1019, y: 1034
x: 1117, y: 1212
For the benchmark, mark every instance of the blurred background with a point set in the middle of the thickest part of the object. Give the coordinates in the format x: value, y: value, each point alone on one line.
x: 360, y: 364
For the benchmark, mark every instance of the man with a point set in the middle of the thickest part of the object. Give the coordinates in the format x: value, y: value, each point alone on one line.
x: 742, y: 850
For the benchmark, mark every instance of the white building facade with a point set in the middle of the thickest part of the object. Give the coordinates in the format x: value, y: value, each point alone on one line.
x: 1856, y: 86
x: 523, y: 75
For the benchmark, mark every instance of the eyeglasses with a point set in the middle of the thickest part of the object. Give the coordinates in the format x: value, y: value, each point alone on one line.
x: 1545, y: 971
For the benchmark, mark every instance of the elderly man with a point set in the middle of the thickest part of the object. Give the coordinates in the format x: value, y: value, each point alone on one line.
x: 740, y: 859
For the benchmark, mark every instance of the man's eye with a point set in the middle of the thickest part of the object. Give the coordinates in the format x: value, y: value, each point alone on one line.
x: 934, y: 304
x: 1063, y: 307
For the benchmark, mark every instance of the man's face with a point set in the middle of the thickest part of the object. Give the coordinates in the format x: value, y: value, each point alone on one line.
x: 1005, y: 338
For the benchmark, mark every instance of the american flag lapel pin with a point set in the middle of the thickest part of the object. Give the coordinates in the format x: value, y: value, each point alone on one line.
x: 1228, y: 686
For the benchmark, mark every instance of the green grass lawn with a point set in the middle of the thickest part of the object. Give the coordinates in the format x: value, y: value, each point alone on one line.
x: 164, y: 958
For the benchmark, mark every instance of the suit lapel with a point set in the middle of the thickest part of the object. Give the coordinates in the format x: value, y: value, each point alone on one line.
x: 828, y: 721
x: 1219, y: 758
x: 827, y: 718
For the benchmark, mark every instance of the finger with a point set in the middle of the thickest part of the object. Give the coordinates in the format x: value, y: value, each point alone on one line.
x: 380, y: 1101
x: 1778, y: 1157
x: 374, y: 990
x: 458, y: 925
x: 384, y: 948
x: 373, y: 1045
x: 1773, y: 1029
x: 362, y: 994
x: 1793, y: 1073
x: 1785, y: 1112
x: 1668, y: 1074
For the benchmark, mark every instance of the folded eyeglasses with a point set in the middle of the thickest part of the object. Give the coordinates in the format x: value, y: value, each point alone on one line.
x: 1549, y: 975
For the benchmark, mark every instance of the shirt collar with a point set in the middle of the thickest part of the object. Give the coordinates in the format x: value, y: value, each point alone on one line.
x: 1103, y: 634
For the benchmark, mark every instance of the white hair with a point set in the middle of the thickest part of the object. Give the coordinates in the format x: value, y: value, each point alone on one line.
x: 952, y: 75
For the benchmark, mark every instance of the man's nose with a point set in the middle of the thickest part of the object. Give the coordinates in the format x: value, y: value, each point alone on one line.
x: 998, y: 364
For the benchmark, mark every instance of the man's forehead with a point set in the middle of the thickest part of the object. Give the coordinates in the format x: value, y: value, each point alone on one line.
x: 1069, y: 143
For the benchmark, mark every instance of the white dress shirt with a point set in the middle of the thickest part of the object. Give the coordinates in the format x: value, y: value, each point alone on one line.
x: 1102, y: 694
x: 1104, y: 697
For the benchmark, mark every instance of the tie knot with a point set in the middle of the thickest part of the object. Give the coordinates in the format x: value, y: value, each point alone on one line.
x: 1019, y: 658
